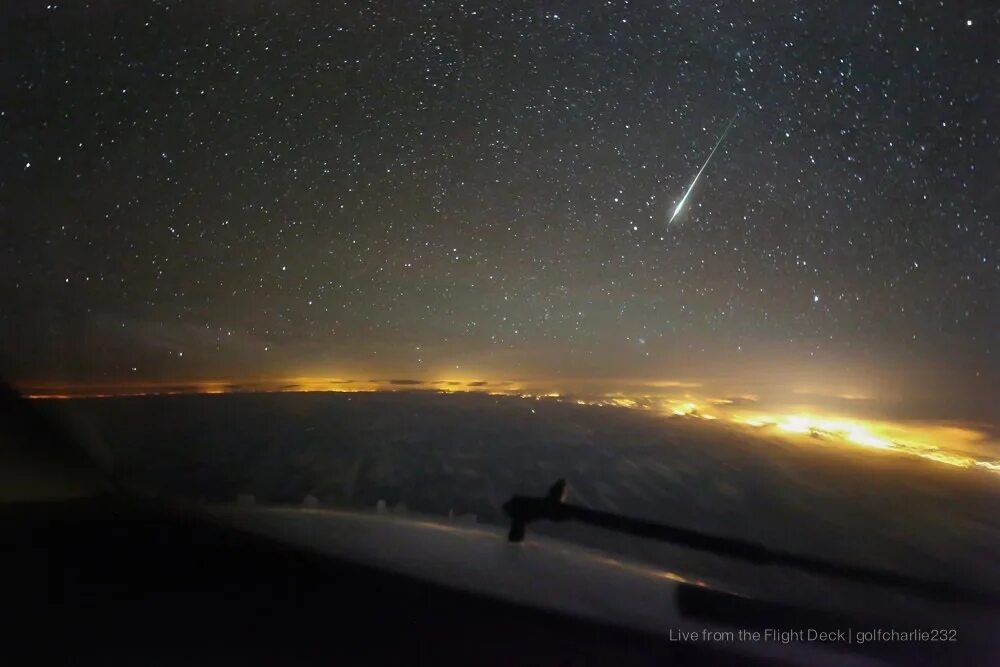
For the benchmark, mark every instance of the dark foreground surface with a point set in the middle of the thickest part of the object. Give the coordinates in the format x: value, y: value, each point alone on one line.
x: 96, y: 582
x: 101, y: 581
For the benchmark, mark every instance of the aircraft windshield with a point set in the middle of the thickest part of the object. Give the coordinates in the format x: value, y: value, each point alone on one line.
x: 727, y: 267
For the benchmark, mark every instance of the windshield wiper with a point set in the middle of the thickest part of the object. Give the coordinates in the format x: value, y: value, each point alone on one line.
x: 522, y: 510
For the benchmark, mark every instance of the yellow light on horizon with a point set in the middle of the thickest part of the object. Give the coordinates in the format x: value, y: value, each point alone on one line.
x: 950, y: 444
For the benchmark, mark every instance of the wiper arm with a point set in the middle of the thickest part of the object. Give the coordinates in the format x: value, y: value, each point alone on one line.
x: 522, y: 510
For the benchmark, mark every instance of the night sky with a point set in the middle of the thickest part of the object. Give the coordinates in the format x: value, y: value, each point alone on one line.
x: 451, y: 190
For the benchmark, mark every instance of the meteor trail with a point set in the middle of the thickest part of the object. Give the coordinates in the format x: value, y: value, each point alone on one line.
x: 680, y: 204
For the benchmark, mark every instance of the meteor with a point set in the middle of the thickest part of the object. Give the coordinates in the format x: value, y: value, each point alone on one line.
x: 687, y: 193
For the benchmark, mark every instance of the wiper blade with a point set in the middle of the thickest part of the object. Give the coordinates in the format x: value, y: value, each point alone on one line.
x: 522, y: 510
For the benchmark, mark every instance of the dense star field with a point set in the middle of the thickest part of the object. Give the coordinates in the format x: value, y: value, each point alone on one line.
x: 445, y: 189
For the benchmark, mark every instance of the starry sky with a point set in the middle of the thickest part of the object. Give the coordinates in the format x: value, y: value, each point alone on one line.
x: 449, y: 189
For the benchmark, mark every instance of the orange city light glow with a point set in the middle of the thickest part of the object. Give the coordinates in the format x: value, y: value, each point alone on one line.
x: 940, y: 443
